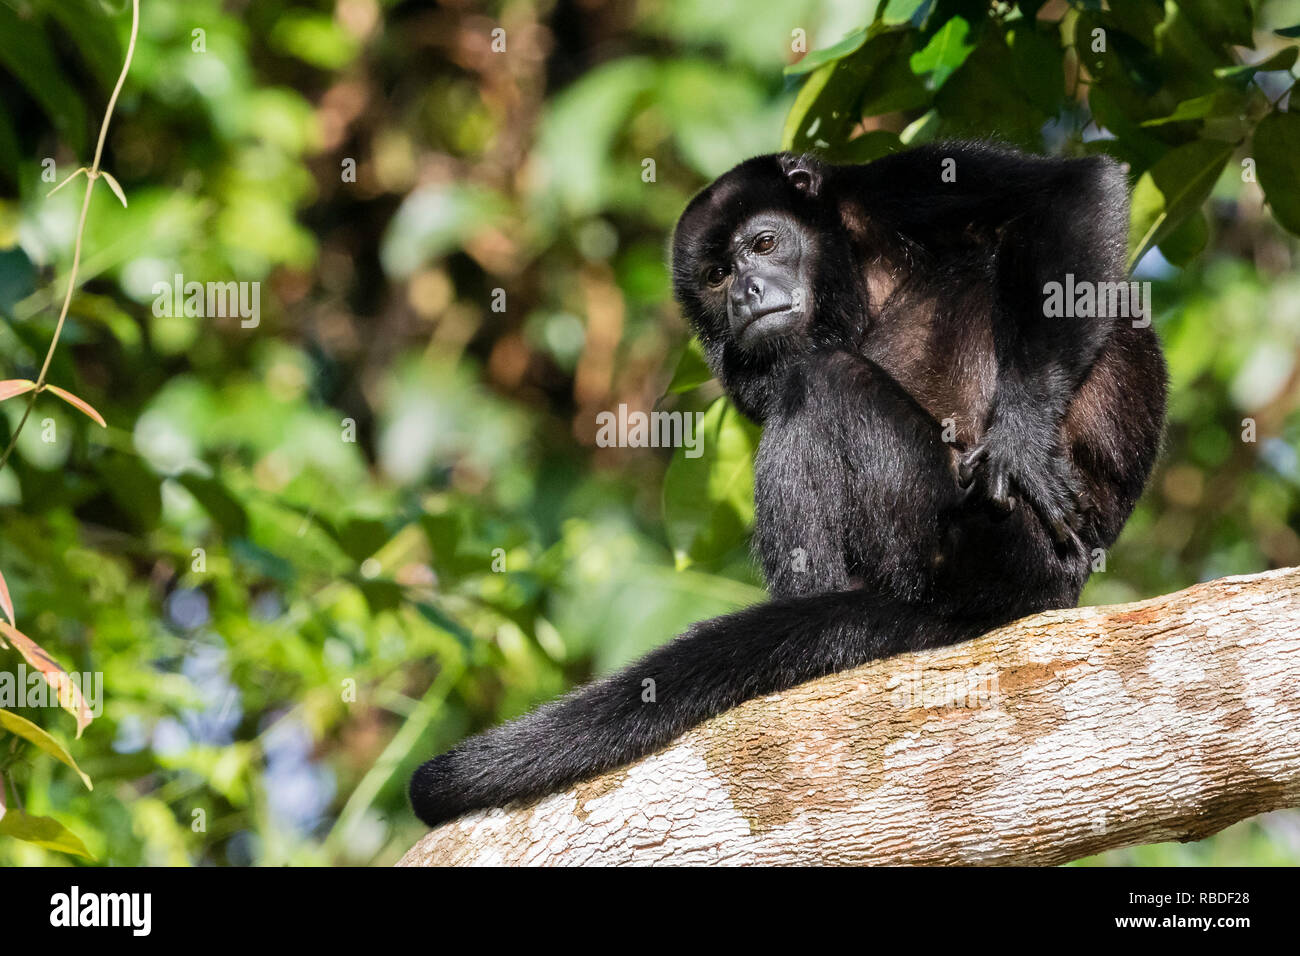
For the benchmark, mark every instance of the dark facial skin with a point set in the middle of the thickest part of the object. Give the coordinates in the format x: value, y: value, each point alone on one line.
x: 767, y: 279
x: 749, y: 255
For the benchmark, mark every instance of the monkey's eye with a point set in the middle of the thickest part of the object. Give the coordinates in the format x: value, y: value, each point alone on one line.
x: 764, y: 243
x: 716, y: 276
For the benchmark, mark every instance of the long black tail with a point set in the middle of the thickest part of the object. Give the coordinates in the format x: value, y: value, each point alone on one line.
x: 711, y: 668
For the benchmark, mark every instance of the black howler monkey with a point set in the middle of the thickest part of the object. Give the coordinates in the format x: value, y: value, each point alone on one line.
x: 938, y: 457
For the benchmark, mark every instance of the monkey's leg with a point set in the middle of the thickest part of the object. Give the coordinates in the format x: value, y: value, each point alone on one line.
x: 858, y: 430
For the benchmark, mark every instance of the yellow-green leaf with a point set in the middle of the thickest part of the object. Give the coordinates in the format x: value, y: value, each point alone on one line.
x: 1171, y: 190
x: 43, y: 832
x: 709, y: 499
x: 27, y: 730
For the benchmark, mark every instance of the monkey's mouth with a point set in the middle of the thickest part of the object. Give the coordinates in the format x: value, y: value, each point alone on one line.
x: 762, y: 323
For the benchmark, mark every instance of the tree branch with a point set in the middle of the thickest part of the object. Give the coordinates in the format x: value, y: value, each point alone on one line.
x: 1059, y: 736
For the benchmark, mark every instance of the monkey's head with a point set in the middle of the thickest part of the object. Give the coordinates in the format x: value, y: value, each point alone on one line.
x: 762, y: 268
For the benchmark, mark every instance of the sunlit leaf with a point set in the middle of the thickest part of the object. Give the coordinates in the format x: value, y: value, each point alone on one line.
x: 691, y: 371
x: 69, y: 694
x: 24, y: 728
x: 834, y: 52
x: 709, y: 499
x: 946, y: 51
x: 907, y: 11
x: 1171, y: 190
x: 78, y: 403
x: 1221, y: 103
x: 44, y: 832
x: 1283, y: 59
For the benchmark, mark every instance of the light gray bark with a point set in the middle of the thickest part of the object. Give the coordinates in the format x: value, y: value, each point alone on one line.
x: 1059, y: 736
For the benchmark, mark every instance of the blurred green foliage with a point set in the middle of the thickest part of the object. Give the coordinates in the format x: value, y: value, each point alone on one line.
x: 305, y: 556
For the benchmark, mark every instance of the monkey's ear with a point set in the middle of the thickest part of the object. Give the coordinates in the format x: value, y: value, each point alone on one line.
x: 802, y: 173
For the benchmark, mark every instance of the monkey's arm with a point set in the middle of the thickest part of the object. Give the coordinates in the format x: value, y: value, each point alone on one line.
x: 1034, y: 221
x: 1074, y: 224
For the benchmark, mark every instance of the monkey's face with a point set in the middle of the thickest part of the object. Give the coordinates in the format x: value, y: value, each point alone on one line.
x: 762, y: 281
x: 763, y: 271
x: 746, y: 255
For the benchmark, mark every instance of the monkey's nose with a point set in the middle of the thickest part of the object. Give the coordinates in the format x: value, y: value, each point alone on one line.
x: 752, y: 289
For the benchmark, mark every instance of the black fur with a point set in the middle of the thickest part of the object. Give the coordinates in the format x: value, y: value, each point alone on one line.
x: 923, y: 305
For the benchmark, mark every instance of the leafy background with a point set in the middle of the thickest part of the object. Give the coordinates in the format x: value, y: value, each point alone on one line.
x: 345, y: 620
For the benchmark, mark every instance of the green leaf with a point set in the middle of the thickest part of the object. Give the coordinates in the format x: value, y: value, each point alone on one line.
x: 1039, y: 64
x: 870, y: 145
x: 979, y: 98
x: 829, y: 54
x: 1185, y: 243
x: 212, y: 495
x: 1277, y: 161
x: 44, y: 832
x: 876, y: 79
x: 1283, y: 59
x: 24, y: 728
x: 884, y: 71
x: 133, y: 487
x: 803, y: 122
x: 26, y: 52
x: 1134, y: 145
x: 709, y: 500
x: 445, y: 622
x: 381, y: 595
x: 691, y: 371
x: 1221, y: 103
x: 923, y: 129
x: 362, y: 537
x: 906, y: 11
x: 1220, y: 21
x: 1171, y: 190
x: 93, y: 33
x: 946, y: 51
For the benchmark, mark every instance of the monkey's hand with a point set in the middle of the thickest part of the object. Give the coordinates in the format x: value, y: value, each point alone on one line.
x: 1001, y: 469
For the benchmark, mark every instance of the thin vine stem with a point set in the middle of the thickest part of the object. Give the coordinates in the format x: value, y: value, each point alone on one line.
x: 92, y: 175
